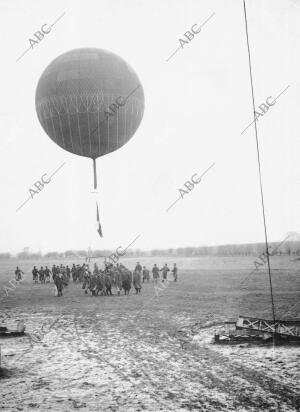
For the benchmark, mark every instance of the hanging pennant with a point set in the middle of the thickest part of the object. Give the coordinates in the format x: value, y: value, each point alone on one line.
x: 99, y: 228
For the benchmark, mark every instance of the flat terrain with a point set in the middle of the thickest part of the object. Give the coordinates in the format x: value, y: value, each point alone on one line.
x: 150, y: 352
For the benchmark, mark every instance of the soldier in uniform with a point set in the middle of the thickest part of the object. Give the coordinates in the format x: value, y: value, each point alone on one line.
x: 108, y: 283
x: 146, y: 274
x: 155, y: 272
x: 86, y: 280
x: 165, y: 271
x: 118, y: 279
x: 68, y: 272
x: 96, y: 269
x: 73, y: 272
x: 59, y: 284
x: 175, y: 272
x: 126, y: 279
x: 137, y: 281
x: 138, y: 267
x: 18, y: 273
x: 47, y: 274
x: 80, y: 273
x: 42, y: 275
x: 35, y: 275
x: 54, y: 271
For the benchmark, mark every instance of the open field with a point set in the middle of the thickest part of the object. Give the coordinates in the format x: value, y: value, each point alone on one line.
x: 138, y: 353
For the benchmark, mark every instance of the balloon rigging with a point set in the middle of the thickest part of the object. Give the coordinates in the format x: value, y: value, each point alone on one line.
x: 73, y: 92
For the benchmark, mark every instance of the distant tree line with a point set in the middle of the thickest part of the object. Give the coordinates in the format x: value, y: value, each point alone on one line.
x: 249, y: 249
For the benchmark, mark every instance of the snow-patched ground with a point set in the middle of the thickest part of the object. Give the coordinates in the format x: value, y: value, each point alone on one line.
x: 150, y: 352
x: 108, y: 362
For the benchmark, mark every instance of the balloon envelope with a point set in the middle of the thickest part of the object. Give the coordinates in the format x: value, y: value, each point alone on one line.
x: 89, y: 101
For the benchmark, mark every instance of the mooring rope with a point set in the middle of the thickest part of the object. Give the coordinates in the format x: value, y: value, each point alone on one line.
x: 259, y: 167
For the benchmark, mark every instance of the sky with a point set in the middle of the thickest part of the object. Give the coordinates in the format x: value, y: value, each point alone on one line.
x: 196, y: 106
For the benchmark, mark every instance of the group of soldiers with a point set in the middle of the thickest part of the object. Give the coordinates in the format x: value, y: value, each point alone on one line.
x: 99, y: 280
x: 164, y: 270
x: 120, y: 277
x: 41, y: 275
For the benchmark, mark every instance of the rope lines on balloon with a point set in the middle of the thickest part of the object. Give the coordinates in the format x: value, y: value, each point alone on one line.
x: 61, y: 131
x: 68, y: 117
x: 89, y: 104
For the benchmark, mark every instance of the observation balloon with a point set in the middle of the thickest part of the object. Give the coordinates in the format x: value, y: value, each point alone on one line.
x: 90, y: 102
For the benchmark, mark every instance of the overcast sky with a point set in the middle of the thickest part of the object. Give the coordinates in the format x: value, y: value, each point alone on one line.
x: 196, y: 106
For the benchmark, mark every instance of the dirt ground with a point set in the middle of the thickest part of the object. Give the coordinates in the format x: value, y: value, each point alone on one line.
x: 150, y: 352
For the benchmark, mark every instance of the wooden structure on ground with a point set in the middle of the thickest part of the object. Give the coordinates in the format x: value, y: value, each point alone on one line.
x: 6, y: 332
x: 248, y: 329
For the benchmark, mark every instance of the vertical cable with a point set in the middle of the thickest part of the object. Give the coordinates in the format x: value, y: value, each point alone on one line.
x: 259, y: 169
x: 95, y: 173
